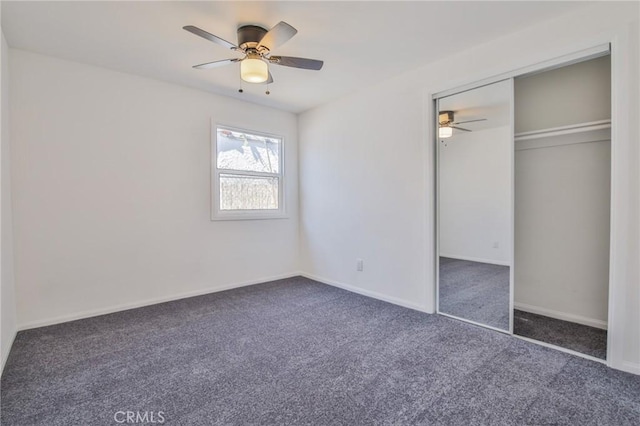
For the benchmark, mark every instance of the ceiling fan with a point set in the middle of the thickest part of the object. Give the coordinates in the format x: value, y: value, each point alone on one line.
x: 256, y: 44
x: 447, y: 124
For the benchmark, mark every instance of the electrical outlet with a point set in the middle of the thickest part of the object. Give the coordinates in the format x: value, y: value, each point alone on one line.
x: 359, y: 265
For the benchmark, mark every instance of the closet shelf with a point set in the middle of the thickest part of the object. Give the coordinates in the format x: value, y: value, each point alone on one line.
x: 564, y: 130
x: 593, y: 131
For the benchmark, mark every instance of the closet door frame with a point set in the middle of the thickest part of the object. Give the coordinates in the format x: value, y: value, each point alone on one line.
x: 614, y: 336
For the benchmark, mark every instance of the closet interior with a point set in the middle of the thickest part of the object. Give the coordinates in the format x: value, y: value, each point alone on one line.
x: 562, y: 126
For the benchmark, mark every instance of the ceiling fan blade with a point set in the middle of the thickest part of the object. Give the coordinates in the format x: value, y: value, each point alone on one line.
x: 202, y: 33
x: 470, y: 121
x: 216, y: 64
x: 290, y: 61
x: 277, y: 36
x: 460, y: 128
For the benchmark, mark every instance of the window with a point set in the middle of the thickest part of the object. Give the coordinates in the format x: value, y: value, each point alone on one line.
x: 248, y: 179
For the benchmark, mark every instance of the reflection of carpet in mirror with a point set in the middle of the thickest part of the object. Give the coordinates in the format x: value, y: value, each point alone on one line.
x: 475, y: 291
x: 580, y: 338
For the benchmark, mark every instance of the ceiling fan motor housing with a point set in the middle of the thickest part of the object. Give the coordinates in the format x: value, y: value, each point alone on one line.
x: 445, y: 117
x: 249, y: 36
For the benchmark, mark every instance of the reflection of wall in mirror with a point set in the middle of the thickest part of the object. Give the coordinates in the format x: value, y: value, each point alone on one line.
x: 475, y: 179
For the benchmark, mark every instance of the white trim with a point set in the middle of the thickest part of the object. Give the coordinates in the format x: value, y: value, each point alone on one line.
x: 6, y: 352
x: 477, y: 259
x: 561, y: 349
x: 148, y: 302
x: 368, y: 293
x: 630, y: 367
x: 436, y: 204
x: 578, y: 319
x: 478, y: 324
x: 512, y: 204
x: 430, y: 233
x: 223, y: 215
x: 249, y: 215
x: 620, y: 146
x: 560, y: 61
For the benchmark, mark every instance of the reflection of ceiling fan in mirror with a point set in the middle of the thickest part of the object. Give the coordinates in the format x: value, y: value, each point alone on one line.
x: 256, y: 44
x: 447, y: 124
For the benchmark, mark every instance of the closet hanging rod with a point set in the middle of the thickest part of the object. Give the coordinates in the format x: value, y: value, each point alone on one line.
x: 563, y: 130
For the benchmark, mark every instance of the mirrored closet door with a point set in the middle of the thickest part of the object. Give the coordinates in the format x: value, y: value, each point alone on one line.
x: 474, y: 205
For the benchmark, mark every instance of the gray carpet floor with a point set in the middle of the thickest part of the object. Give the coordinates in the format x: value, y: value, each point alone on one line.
x: 475, y: 291
x: 580, y: 338
x: 298, y: 352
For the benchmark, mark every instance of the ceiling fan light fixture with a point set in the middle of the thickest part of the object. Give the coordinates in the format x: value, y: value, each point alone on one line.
x: 254, y: 70
x: 256, y: 43
x: 445, y: 132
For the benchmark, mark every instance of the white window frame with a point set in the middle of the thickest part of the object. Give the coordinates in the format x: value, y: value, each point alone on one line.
x: 216, y: 212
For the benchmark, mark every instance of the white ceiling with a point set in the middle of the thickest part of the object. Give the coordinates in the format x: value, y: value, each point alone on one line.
x: 361, y: 42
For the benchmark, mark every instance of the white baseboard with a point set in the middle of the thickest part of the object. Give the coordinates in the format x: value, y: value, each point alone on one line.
x: 6, y: 351
x: 476, y: 259
x: 630, y: 367
x: 148, y: 302
x: 561, y: 315
x: 625, y: 366
x: 368, y: 293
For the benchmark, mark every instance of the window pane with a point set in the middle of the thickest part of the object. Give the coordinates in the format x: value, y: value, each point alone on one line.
x: 248, y: 193
x: 247, y: 152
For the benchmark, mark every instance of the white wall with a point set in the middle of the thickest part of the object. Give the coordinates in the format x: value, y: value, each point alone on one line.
x: 475, y: 187
x: 8, y: 320
x: 562, y: 231
x: 563, y: 196
x: 367, y: 179
x: 563, y: 96
x: 111, y: 192
x: 362, y: 170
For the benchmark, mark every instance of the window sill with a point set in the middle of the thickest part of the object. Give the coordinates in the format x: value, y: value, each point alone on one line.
x: 254, y: 216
